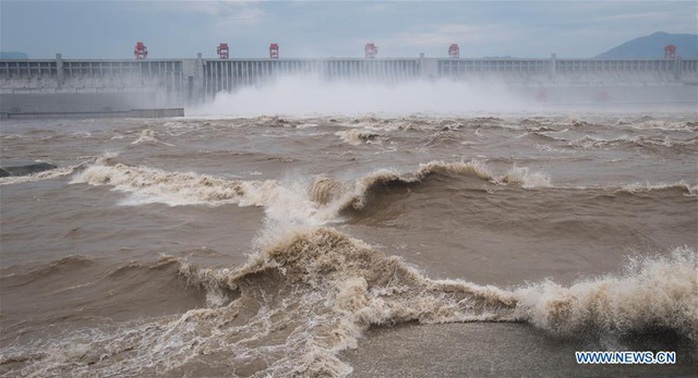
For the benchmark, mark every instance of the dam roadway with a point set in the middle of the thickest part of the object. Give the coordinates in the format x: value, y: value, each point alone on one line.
x: 78, y: 85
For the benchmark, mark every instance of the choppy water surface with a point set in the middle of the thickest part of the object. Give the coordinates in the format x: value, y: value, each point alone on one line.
x: 326, y: 246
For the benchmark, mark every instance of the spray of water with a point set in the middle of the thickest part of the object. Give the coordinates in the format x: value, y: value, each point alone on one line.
x: 308, y: 96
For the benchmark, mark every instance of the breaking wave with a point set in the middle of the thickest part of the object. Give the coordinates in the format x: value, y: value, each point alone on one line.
x: 41, y: 176
x: 174, y: 188
x: 356, y: 136
x: 355, y: 195
x: 311, y: 293
x: 527, y: 179
x: 654, y: 294
x: 149, y: 136
x: 323, y: 199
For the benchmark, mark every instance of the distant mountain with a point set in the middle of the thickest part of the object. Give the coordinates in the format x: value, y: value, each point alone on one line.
x: 652, y: 46
x: 13, y: 55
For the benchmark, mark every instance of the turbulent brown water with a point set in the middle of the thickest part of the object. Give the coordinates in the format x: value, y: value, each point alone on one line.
x: 371, y: 246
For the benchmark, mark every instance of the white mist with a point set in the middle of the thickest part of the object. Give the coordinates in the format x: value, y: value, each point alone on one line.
x: 308, y: 96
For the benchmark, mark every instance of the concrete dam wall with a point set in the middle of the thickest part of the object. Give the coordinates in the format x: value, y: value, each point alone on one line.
x: 59, y: 84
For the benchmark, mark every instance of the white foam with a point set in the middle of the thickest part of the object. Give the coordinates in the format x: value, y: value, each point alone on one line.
x: 653, y: 292
x: 41, y: 176
x: 356, y: 137
x: 526, y: 178
x: 149, y: 136
x: 150, y: 185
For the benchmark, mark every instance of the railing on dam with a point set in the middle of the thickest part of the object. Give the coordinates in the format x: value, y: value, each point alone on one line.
x: 184, y: 81
x: 573, y: 71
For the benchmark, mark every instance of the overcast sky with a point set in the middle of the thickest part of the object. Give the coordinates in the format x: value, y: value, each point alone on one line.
x: 179, y: 29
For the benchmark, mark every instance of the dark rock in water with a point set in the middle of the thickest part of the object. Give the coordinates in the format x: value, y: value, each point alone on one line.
x: 23, y: 168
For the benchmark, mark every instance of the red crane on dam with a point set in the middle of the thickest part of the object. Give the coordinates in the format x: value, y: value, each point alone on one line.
x: 670, y: 51
x: 274, y: 51
x: 223, y: 51
x: 370, y: 50
x: 454, y: 51
x: 140, y: 51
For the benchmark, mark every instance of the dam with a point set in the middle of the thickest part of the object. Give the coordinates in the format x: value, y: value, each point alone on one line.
x: 79, y: 85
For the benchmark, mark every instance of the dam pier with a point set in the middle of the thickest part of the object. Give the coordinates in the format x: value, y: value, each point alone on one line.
x: 89, y: 85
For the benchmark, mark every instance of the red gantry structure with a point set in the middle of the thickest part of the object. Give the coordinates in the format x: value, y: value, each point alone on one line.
x: 454, y: 51
x: 140, y: 51
x: 274, y: 51
x: 670, y: 51
x: 371, y: 50
x: 223, y: 51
